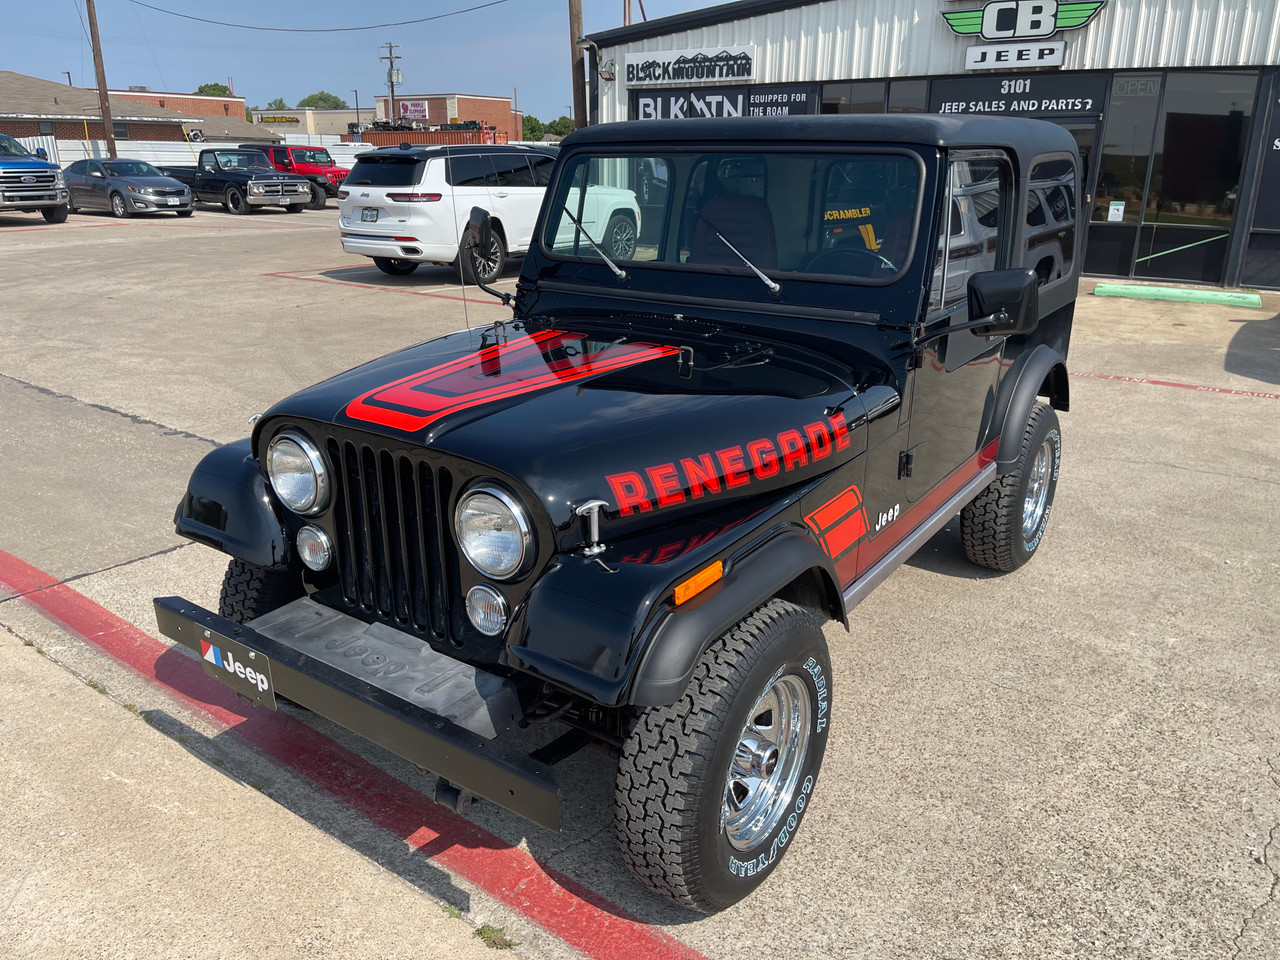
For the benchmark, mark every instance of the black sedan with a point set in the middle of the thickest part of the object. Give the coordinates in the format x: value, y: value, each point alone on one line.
x: 126, y: 187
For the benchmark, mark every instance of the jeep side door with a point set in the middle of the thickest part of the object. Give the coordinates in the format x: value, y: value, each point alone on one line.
x: 958, y: 372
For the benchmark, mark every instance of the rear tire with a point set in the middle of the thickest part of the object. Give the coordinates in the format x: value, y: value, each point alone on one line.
x: 620, y: 237
x: 235, y: 202
x: 712, y: 788
x: 55, y: 214
x: 249, y: 591
x: 1003, y: 526
x: 297, y: 207
x: 395, y: 268
x: 487, y: 267
x: 185, y: 213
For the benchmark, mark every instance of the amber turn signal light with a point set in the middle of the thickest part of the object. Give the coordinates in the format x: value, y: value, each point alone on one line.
x: 704, y: 578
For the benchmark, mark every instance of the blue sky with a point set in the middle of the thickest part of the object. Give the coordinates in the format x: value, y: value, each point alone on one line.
x: 521, y: 44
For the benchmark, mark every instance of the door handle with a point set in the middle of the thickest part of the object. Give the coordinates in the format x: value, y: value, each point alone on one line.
x: 502, y: 195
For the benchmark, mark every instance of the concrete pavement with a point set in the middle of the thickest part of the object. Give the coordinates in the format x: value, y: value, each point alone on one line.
x: 1078, y: 759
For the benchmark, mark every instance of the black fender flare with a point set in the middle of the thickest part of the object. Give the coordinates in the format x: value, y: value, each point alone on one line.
x: 229, y: 506
x: 1040, y: 371
x: 679, y: 638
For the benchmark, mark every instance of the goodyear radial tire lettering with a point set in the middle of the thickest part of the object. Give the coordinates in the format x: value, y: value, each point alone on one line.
x: 249, y: 591
x: 674, y: 769
x: 991, y: 526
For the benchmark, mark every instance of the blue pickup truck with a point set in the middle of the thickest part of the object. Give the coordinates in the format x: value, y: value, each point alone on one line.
x: 29, y: 182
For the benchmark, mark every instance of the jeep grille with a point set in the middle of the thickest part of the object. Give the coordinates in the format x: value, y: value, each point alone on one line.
x: 389, y: 539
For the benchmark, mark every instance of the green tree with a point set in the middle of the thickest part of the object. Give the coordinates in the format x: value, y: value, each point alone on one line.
x: 213, y: 90
x: 248, y: 112
x: 533, y: 128
x: 562, y: 126
x: 323, y: 100
x: 277, y: 104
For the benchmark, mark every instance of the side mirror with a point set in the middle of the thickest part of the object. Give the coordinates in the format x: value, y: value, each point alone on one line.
x: 96, y: 173
x: 481, y: 228
x: 42, y: 153
x: 1004, y: 302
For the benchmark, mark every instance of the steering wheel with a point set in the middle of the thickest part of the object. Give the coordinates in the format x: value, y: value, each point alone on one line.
x: 849, y: 261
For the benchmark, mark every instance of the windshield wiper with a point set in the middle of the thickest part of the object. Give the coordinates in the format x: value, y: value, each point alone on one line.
x: 774, y: 288
x: 617, y: 270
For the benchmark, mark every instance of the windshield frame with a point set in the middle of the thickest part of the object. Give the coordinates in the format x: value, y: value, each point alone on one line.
x: 266, y: 165
x: 299, y: 152
x: 562, y: 182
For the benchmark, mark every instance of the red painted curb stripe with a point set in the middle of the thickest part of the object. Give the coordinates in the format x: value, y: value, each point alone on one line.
x: 578, y: 916
x: 1257, y: 394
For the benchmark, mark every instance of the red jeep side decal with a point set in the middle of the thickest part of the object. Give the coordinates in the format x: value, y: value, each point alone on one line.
x: 537, y: 362
x: 840, y: 522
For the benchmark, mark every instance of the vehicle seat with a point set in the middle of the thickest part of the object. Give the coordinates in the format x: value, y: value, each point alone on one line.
x: 746, y: 221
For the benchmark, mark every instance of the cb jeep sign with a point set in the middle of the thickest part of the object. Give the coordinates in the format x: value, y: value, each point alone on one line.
x: 1028, y: 23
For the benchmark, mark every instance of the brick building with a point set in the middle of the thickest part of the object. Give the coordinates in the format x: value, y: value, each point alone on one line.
x: 225, y: 117
x: 31, y: 107
x: 435, y: 109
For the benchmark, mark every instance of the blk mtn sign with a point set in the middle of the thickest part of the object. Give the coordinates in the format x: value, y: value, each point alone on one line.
x: 1022, y: 31
x: 724, y: 65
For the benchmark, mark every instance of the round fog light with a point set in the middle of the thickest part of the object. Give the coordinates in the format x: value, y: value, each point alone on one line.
x: 314, y: 547
x: 487, y: 610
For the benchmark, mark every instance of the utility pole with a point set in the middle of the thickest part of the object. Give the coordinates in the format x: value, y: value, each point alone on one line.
x: 391, y: 59
x: 104, y: 103
x: 68, y: 76
x: 357, y: 93
x: 578, y: 59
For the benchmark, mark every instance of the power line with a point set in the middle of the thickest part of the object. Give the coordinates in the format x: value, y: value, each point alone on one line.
x: 372, y: 26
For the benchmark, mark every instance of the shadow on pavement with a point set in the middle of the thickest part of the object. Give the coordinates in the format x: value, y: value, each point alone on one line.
x: 1254, y: 350
x: 944, y: 553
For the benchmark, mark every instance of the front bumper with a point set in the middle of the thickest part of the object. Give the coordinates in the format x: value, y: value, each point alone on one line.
x: 275, y: 200
x: 33, y: 200
x: 150, y: 203
x: 373, y: 707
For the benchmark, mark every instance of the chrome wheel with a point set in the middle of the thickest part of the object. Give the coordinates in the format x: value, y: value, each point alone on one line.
x: 118, y: 208
x: 488, y: 265
x: 1037, y: 490
x: 621, y: 238
x: 766, y: 763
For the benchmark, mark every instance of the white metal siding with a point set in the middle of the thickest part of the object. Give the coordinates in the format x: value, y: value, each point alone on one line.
x: 852, y: 39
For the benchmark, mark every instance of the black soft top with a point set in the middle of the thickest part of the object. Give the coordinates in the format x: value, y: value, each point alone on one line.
x: 1024, y: 136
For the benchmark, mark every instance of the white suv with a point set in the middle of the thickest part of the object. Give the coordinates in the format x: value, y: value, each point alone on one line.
x: 407, y: 205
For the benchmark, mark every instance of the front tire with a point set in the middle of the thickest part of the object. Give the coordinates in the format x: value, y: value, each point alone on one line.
x: 319, y: 197
x: 1003, y: 526
x: 484, y: 267
x: 119, y: 209
x: 712, y: 788
x: 55, y: 214
x: 235, y: 202
x: 620, y: 237
x: 249, y: 591
x: 395, y: 268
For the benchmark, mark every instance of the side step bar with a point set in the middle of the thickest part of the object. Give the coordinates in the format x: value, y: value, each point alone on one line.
x: 467, y: 760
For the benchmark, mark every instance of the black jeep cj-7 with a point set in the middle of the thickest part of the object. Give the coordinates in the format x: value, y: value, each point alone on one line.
x: 630, y: 508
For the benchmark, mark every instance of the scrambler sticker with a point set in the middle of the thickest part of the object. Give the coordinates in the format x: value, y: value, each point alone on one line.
x: 243, y: 670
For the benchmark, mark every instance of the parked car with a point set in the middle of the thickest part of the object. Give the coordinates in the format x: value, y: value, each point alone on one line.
x: 242, y: 181
x: 405, y: 205
x: 314, y: 163
x: 631, y: 507
x: 30, y: 183
x: 126, y: 187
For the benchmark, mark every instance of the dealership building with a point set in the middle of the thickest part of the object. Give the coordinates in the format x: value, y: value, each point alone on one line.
x: 1175, y: 104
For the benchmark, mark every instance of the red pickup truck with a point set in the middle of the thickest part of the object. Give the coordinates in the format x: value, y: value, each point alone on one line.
x: 314, y: 163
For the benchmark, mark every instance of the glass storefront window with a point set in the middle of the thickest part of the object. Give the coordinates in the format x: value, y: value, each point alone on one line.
x: 908, y: 96
x: 1126, y: 148
x: 1199, y: 148
x: 861, y: 96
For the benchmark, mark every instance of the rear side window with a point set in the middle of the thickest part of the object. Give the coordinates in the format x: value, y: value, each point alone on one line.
x: 79, y: 168
x: 979, y: 190
x: 542, y: 166
x: 513, y: 171
x: 389, y: 171
x: 471, y: 171
x: 1051, y: 239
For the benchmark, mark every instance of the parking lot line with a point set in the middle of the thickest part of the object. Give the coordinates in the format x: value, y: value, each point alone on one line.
x: 414, y: 291
x: 1256, y: 394
x: 566, y: 909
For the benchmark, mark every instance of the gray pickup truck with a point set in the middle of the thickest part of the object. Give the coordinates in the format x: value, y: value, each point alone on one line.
x: 242, y: 180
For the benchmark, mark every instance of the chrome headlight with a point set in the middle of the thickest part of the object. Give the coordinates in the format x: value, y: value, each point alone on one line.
x: 493, y: 531
x: 298, y: 473
x: 59, y: 180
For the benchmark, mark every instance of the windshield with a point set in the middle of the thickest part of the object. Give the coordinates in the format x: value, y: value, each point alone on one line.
x: 132, y: 168
x: 318, y: 157
x: 12, y: 148
x: 850, y: 216
x: 380, y: 170
x: 244, y: 160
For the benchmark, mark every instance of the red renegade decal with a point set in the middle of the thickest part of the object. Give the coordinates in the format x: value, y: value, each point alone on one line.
x: 537, y: 362
x: 691, y: 478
